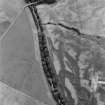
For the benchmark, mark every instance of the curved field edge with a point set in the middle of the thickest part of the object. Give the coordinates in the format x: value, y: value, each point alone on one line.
x: 11, y: 96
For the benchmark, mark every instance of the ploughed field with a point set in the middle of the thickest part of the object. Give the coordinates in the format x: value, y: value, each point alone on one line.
x: 79, y: 64
x: 77, y: 46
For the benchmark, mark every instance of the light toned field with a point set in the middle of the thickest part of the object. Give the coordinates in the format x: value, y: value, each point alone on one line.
x: 19, y: 68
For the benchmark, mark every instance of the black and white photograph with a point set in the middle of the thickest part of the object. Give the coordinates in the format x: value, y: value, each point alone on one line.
x: 52, y: 52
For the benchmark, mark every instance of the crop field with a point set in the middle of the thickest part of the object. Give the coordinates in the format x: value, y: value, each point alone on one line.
x: 75, y: 36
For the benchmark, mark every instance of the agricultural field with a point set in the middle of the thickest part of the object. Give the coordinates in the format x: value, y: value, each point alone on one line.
x: 75, y: 33
x: 77, y: 45
x: 21, y: 74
